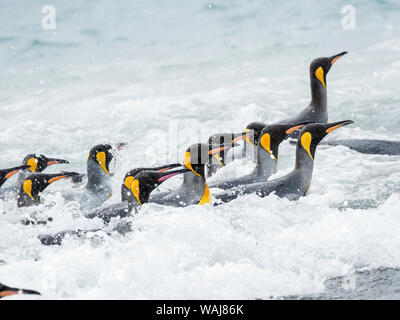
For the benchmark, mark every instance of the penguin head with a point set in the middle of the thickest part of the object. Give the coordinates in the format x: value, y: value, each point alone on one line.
x: 101, y: 155
x: 130, y: 176
x: 271, y: 136
x: 219, y: 158
x: 320, y: 67
x: 199, y: 154
x: 6, y: 291
x: 145, y: 182
x: 37, y: 163
x: 253, y: 131
x: 8, y: 173
x: 34, y: 185
x: 312, y: 134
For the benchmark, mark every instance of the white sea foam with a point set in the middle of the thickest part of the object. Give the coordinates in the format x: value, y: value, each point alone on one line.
x: 121, y: 73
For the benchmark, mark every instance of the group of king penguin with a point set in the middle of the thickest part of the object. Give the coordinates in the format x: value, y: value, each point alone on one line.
x: 200, y: 161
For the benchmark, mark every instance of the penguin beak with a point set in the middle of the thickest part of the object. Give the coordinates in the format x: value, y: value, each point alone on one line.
x: 121, y: 145
x: 239, y: 136
x: 170, y: 174
x: 169, y: 167
x: 335, y: 125
x: 51, y: 161
x: 64, y: 175
x: 11, y: 292
x: 222, y: 148
x: 16, y: 170
x: 292, y: 129
x: 297, y: 126
x: 335, y: 58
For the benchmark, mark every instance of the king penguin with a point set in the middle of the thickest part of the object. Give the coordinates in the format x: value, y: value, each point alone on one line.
x: 267, y: 156
x: 5, y: 174
x: 296, y: 183
x: 98, y: 187
x: 143, y: 183
x: 33, y: 163
x: 220, y: 159
x: 194, y: 189
x: 121, y: 208
x: 35, y: 183
x: 317, y: 110
x: 129, y: 177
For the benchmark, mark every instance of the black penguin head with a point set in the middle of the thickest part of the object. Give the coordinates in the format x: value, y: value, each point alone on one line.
x: 145, y: 182
x: 34, y: 185
x: 37, y: 163
x: 312, y: 134
x: 199, y: 154
x: 102, y: 156
x: 6, y: 291
x: 229, y: 140
x: 130, y: 176
x: 226, y: 138
x: 271, y: 136
x: 253, y: 131
x: 8, y: 173
x: 320, y: 67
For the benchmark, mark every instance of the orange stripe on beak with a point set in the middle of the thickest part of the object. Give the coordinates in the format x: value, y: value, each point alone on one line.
x: 216, y: 150
x: 10, y: 174
x: 239, y: 138
x: 290, y: 130
x: 336, y: 59
x: 334, y: 128
x: 7, y: 293
x: 162, y: 170
x: 50, y: 163
x: 56, y: 178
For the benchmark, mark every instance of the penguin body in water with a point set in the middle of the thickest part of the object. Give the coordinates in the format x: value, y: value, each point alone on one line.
x: 194, y: 189
x: 369, y: 146
x: 6, y: 291
x: 267, y: 156
x: 33, y: 164
x: 5, y: 174
x: 98, y: 188
x: 143, y: 183
x: 35, y: 183
x: 121, y: 209
x: 296, y: 183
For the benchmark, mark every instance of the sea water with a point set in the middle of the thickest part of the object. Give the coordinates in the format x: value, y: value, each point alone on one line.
x: 162, y: 75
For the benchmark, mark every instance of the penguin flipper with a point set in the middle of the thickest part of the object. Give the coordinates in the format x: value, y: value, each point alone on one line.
x: 111, y: 211
x: 233, y: 183
x: 369, y: 146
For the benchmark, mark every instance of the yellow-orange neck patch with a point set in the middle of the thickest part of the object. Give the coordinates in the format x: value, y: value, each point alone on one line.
x: 306, y: 139
x: 266, y: 144
x: 101, y: 159
x: 135, y: 190
x: 27, y: 187
x: 128, y: 182
x: 319, y: 73
x: 206, y: 197
x: 188, y: 164
x: 216, y: 156
x: 247, y: 137
x: 32, y: 162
